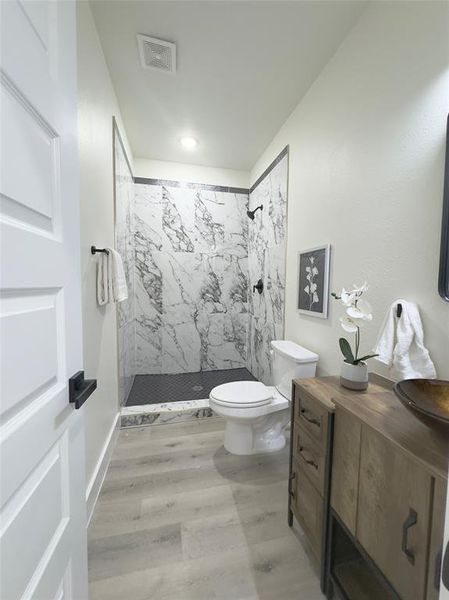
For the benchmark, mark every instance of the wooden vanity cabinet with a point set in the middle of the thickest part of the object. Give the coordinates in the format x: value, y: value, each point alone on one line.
x: 393, y: 512
x: 309, y: 483
x: 382, y: 474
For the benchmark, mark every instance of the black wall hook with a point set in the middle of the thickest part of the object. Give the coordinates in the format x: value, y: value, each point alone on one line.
x: 94, y: 250
x: 399, y: 310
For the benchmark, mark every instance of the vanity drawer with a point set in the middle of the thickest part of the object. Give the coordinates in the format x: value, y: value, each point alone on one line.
x: 310, y: 456
x: 312, y: 416
x: 307, y: 505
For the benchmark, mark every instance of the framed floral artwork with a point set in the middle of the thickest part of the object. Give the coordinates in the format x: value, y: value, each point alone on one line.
x: 313, y: 281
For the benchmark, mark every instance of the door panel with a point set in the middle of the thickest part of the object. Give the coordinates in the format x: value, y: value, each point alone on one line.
x: 392, y: 485
x: 436, y: 539
x: 345, y: 467
x: 42, y: 504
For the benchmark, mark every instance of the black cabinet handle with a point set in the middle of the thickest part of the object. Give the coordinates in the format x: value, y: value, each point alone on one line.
x: 80, y: 389
x: 290, y: 491
x: 410, y: 521
x: 445, y: 568
x: 437, y: 572
x: 308, y: 416
x: 308, y: 461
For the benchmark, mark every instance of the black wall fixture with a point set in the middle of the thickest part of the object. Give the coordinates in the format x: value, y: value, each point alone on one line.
x: 443, y: 277
x: 258, y: 286
x: 251, y: 213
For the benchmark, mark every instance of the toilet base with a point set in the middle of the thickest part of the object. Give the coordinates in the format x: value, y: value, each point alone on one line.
x: 264, y: 434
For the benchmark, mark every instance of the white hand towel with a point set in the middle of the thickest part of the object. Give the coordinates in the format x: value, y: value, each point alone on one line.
x: 119, y: 287
x: 401, y: 343
x: 102, y: 279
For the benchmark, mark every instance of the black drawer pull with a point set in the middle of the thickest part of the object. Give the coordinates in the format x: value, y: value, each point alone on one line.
x: 310, y: 417
x: 290, y: 491
x: 410, y: 521
x: 308, y: 461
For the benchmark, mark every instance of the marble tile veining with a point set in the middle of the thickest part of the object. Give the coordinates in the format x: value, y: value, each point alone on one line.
x: 191, y: 279
x: 191, y: 257
x: 266, y: 260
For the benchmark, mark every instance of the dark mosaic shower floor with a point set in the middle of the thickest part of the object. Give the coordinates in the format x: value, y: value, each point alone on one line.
x: 153, y: 389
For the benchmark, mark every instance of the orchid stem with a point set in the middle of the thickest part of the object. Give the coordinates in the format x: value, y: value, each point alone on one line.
x: 357, y: 342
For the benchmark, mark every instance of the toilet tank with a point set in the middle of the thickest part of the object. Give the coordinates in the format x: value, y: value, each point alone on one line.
x: 290, y: 361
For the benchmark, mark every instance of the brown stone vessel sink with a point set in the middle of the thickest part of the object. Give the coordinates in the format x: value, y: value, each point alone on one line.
x: 427, y: 399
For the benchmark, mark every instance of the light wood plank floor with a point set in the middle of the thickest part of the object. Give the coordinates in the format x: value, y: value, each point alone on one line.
x: 179, y: 518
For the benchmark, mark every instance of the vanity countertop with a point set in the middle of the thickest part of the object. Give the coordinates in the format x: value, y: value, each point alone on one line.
x: 379, y: 408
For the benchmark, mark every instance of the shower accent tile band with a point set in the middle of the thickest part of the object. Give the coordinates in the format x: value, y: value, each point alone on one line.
x: 270, y: 167
x: 190, y: 185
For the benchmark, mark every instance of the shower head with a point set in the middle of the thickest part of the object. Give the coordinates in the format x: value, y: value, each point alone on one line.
x: 251, y: 213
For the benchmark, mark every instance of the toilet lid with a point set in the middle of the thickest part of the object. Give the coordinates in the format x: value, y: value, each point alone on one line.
x: 242, y: 394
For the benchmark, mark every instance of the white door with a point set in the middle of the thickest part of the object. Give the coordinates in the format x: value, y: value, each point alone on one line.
x: 42, y: 500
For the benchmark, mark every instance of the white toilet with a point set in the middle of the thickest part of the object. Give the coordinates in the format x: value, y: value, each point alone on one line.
x: 256, y: 415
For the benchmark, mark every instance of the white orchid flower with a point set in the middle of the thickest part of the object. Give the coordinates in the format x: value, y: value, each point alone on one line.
x: 348, y: 324
x: 359, y: 290
x: 347, y: 298
x: 361, y: 310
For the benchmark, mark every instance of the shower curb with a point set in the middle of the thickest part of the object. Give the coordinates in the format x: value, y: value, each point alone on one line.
x: 165, y: 413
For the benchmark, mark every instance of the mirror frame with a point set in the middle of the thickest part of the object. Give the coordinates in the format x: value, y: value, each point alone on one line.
x: 443, y: 277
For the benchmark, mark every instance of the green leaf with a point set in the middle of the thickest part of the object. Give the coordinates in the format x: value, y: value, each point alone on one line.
x: 346, y: 351
x: 366, y: 357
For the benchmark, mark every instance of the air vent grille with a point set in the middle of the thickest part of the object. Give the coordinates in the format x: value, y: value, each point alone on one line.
x: 157, y: 54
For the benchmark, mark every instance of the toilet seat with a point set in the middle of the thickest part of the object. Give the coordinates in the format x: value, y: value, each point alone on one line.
x: 241, y: 394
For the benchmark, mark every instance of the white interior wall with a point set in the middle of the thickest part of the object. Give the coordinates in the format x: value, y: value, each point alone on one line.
x: 97, y: 105
x: 173, y: 171
x: 366, y: 174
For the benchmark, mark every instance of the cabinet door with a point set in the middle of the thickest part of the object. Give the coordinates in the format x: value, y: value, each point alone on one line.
x: 345, y: 467
x: 393, y: 513
x: 307, y: 505
x: 436, y: 539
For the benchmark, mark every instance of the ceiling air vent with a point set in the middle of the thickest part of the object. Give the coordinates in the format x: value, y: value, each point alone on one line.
x: 157, y: 54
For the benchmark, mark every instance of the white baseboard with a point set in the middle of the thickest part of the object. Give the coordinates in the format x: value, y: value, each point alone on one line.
x: 96, y: 481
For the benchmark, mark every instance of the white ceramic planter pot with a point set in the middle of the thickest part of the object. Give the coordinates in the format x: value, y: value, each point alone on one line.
x: 354, y: 377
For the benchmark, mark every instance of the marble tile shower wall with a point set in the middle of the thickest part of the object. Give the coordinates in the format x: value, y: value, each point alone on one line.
x: 266, y: 260
x: 191, y: 279
x: 124, y: 209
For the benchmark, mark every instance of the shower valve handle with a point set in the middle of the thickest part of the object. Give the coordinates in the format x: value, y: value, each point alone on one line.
x: 258, y: 286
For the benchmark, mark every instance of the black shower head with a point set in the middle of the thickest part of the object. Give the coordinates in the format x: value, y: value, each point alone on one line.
x: 251, y: 213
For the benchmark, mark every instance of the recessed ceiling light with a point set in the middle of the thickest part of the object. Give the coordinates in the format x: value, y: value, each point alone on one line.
x: 189, y: 143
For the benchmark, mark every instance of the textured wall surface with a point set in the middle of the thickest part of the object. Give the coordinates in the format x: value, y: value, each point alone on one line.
x: 191, y: 279
x: 266, y: 260
x: 124, y: 231
x: 366, y: 153
x: 97, y: 105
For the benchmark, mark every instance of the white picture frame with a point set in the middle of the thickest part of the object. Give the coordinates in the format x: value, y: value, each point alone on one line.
x: 312, y: 294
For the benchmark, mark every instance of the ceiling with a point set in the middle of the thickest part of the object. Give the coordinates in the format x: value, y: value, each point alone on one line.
x: 242, y: 68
